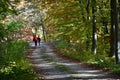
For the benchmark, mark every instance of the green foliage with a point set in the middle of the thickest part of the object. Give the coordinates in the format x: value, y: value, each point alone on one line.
x: 70, y: 23
x: 60, y: 43
x: 2, y: 31
x: 100, y: 60
x: 105, y: 62
x: 13, y: 62
x: 16, y: 52
x: 68, y: 49
x: 7, y: 7
x: 9, y: 29
x: 13, y: 25
x: 15, y: 73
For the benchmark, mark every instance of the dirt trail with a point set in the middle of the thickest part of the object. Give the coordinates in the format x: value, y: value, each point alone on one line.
x: 53, y: 67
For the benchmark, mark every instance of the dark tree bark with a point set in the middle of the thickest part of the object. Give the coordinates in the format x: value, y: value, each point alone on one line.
x: 105, y: 23
x: 114, y: 30
x: 88, y: 38
x: 94, y: 34
x: 43, y: 28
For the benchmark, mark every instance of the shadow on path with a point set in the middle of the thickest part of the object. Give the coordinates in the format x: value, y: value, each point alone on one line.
x: 50, y: 66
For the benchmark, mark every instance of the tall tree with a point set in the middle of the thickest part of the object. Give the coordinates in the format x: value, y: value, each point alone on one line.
x: 88, y: 19
x: 114, y: 29
x: 94, y: 33
x: 112, y: 42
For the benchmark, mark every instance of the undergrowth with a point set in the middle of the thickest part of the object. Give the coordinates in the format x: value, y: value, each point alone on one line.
x: 13, y: 62
x: 99, y: 60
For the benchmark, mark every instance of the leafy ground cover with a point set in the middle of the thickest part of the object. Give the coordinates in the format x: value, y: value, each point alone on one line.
x: 13, y: 62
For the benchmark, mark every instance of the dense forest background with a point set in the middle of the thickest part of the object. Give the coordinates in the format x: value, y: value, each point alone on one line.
x: 86, y: 30
x: 83, y: 25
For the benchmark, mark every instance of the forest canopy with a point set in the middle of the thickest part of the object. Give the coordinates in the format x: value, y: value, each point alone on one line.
x: 86, y: 25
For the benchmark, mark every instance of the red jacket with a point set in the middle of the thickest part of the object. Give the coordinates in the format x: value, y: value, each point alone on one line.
x: 35, y: 38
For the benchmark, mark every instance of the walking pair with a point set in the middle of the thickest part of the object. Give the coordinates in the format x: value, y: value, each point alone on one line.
x: 36, y: 39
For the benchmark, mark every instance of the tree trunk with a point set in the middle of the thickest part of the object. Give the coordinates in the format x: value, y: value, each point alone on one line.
x: 114, y: 30
x: 94, y: 34
x: 88, y: 38
x: 44, y: 35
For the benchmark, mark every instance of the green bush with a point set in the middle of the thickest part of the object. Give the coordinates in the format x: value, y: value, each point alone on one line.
x: 14, y: 64
x: 15, y: 73
x: 61, y: 43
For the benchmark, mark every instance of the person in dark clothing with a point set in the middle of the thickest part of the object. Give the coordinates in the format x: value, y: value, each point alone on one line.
x: 35, y: 40
x: 39, y: 40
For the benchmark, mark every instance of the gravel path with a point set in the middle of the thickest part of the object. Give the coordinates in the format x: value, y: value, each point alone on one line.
x: 50, y: 66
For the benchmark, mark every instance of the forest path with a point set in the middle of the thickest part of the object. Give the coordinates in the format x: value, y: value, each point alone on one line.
x: 50, y: 66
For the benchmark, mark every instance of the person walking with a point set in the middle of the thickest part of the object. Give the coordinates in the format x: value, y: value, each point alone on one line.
x: 39, y: 40
x: 35, y: 40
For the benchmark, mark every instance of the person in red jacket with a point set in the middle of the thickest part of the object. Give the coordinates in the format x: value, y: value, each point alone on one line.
x: 35, y: 40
